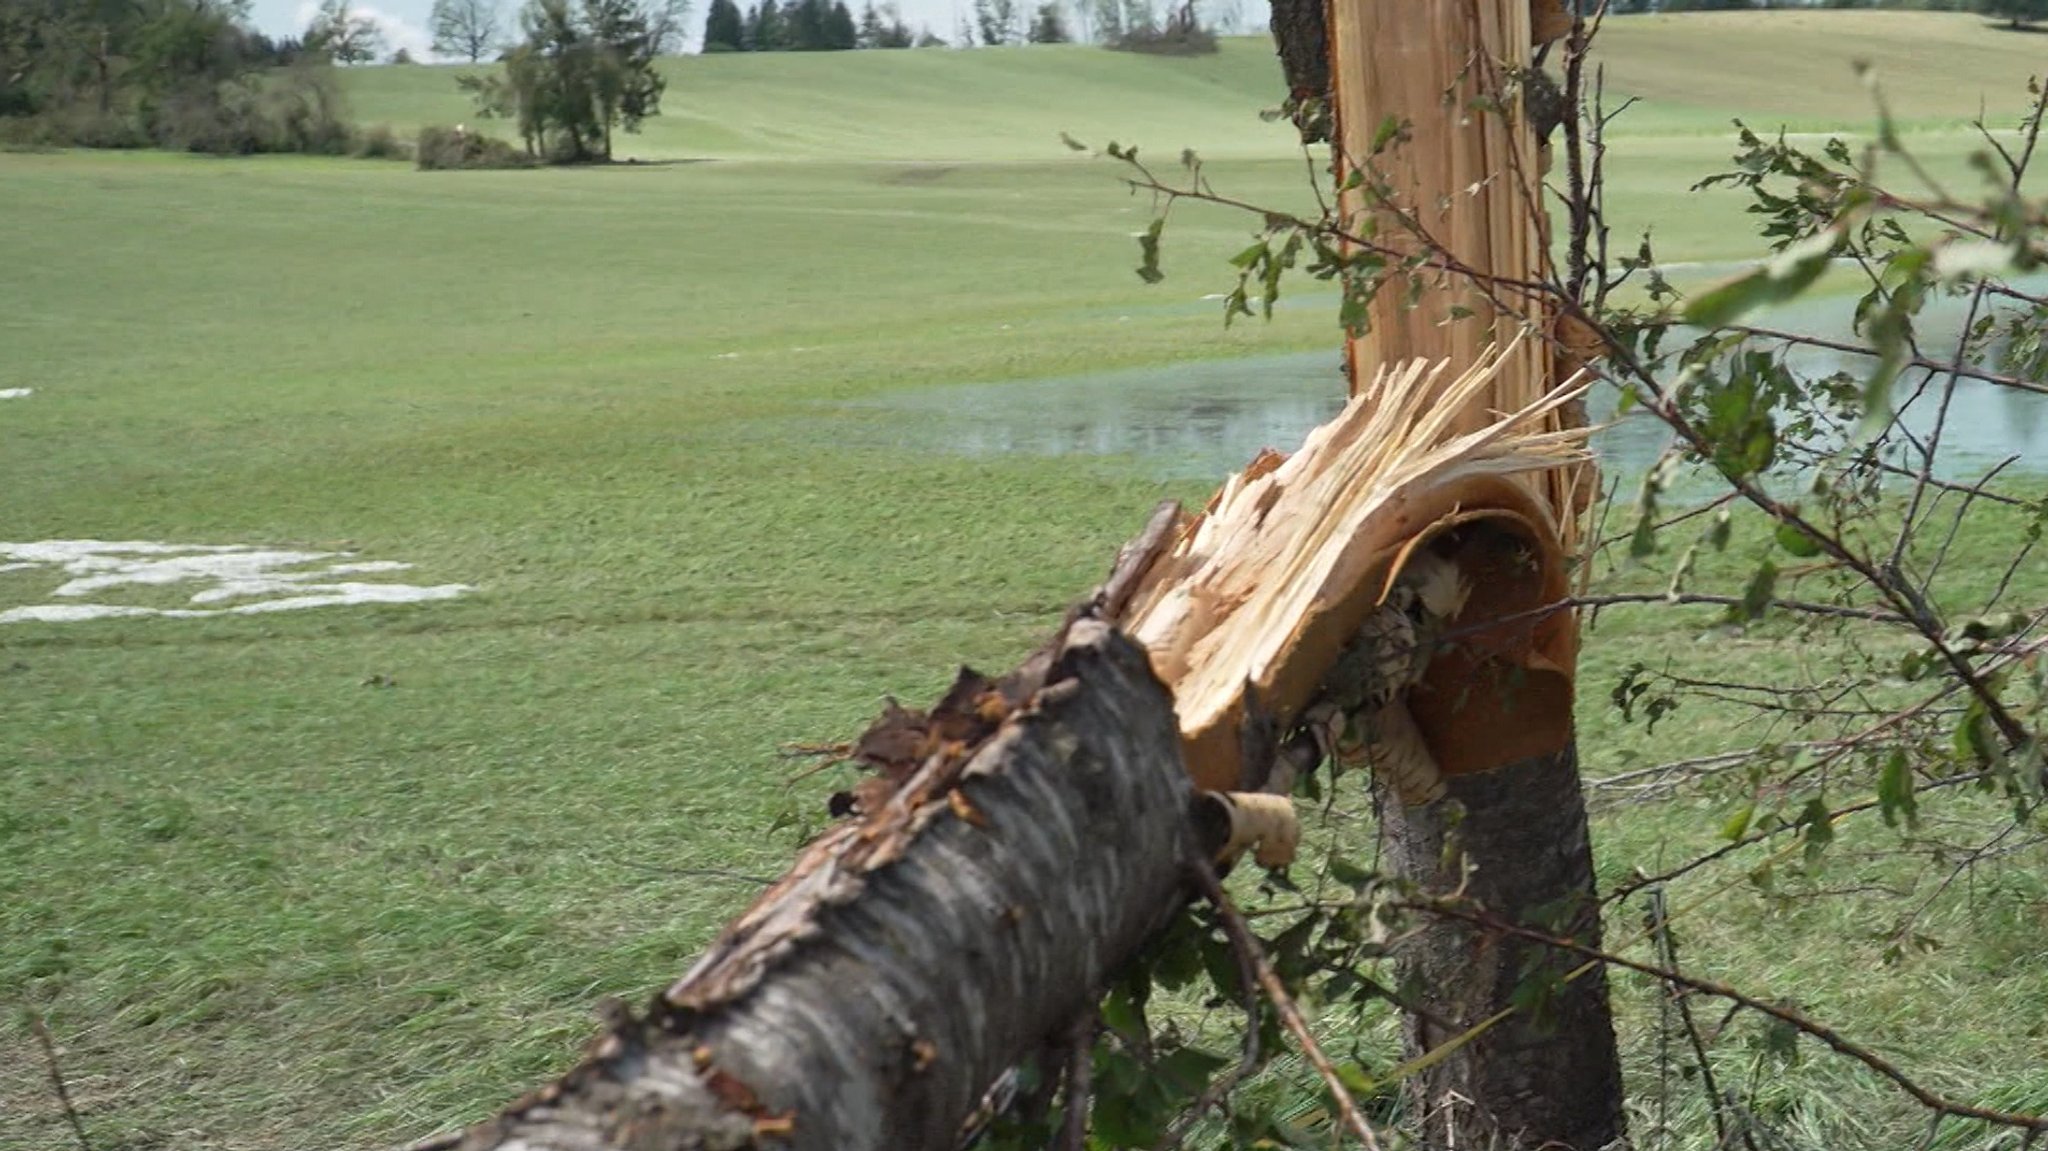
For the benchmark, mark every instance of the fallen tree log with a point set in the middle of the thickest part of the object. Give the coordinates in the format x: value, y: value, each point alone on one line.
x: 1024, y: 838
x: 869, y: 999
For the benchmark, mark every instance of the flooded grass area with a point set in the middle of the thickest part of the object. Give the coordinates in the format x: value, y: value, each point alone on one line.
x: 1200, y: 420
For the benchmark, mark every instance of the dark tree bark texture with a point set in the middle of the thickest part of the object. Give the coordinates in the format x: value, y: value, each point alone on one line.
x: 1547, y: 1076
x: 1302, y: 40
x: 913, y: 954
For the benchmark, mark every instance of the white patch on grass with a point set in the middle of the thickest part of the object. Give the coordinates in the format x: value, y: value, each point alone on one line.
x: 244, y: 580
x: 16, y: 393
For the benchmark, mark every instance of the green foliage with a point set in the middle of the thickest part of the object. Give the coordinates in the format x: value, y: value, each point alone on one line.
x: 724, y: 29
x: 581, y: 72
x: 183, y: 75
x: 344, y: 35
x: 2016, y: 13
x: 1182, y: 33
x: 998, y: 22
x: 440, y: 148
x: 1049, y: 26
x: 884, y: 28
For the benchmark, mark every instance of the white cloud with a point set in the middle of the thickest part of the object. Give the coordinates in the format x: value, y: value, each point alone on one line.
x: 398, y: 31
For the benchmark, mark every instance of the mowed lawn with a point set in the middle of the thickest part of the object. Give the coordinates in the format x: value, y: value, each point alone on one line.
x: 345, y: 876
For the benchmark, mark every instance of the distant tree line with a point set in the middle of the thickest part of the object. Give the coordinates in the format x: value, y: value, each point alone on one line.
x: 184, y: 74
x: 808, y: 26
x: 2017, y: 13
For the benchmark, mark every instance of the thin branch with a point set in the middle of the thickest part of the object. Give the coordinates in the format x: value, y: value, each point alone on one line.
x: 1833, y: 1039
x: 1220, y: 1087
x: 1667, y: 951
x: 1247, y: 945
x: 42, y: 1034
x: 1921, y: 363
x: 1080, y: 1077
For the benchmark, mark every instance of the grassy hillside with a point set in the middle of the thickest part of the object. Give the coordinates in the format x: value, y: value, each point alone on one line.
x: 998, y: 104
x: 1692, y: 72
x: 333, y: 878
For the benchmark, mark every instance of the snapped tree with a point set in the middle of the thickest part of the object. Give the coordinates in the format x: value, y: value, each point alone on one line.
x: 1396, y: 595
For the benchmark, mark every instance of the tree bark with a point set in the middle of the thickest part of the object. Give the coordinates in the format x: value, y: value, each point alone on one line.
x: 1301, y: 38
x: 1459, y: 185
x: 869, y: 1000
x: 1546, y: 1076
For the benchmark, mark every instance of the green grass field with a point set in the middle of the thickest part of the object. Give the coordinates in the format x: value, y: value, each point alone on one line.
x: 342, y: 877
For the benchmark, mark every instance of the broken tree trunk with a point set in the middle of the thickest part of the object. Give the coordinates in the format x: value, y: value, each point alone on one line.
x: 1026, y: 836
x: 868, y: 1000
x: 1459, y: 185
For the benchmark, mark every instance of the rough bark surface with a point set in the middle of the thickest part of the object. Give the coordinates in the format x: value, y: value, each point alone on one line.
x: 1301, y: 37
x: 869, y: 999
x: 1546, y: 1078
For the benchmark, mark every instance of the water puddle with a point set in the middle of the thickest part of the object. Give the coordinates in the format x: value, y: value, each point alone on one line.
x: 1186, y: 421
x: 1197, y: 421
x: 99, y: 579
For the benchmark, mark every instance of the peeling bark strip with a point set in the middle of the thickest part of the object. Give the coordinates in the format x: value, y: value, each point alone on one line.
x: 867, y: 1001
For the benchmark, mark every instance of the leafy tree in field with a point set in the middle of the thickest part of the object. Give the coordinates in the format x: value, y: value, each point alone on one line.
x: 996, y: 21
x: 465, y: 28
x: 1049, y: 26
x: 580, y: 73
x: 724, y: 27
x: 889, y: 30
x: 926, y: 38
x: 2015, y: 12
x: 344, y: 35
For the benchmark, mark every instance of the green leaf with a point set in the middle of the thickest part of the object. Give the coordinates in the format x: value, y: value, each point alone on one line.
x: 1796, y: 542
x: 1389, y: 131
x: 1895, y: 791
x: 1757, y: 597
x: 1642, y: 542
x: 1820, y: 827
x: 1348, y: 873
x: 1974, y: 740
x: 1792, y: 272
x: 1148, y: 251
x: 1122, y: 1012
x: 1355, y: 1080
x: 1719, y: 530
x: 1189, y: 1069
x: 1738, y: 823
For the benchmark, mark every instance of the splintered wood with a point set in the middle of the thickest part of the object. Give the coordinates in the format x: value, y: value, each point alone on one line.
x: 1247, y: 612
x: 1463, y: 184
